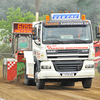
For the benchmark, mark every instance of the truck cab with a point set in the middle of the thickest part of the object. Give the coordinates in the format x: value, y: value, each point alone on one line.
x: 63, y: 50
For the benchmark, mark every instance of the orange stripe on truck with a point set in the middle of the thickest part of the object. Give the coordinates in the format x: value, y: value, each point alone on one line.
x: 30, y: 75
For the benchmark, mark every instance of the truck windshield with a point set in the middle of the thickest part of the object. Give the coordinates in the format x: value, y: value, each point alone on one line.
x: 67, y: 34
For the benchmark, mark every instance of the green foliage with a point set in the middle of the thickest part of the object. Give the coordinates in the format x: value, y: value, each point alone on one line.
x: 42, y: 18
x: 15, y: 15
x: 97, y: 74
x: 20, y: 68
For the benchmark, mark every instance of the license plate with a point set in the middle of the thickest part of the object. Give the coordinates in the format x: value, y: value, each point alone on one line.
x: 67, y: 74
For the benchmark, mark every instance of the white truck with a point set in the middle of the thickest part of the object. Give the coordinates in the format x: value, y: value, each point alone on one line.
x: 62, y: 51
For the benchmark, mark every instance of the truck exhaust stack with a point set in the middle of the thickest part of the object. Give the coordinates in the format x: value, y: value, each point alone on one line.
x: 37, y: 16
x: 37, y: 4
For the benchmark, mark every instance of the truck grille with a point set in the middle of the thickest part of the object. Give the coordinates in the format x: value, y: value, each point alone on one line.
x: 71, y: 54
x: 67, y: 51
x: 66, y: 66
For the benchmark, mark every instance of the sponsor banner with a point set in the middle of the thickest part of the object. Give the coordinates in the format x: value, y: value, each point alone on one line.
x: 63, y: 47
x: 65, y: 16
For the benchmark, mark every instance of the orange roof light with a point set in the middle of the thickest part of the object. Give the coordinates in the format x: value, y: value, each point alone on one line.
x: 78, y: 11
x: 83, y: 17
x: 64, y: 11
x: 60, y: 11
x: 47, y: 18
x: 51, y: 11
x: 86, y: 21
x: 69, y: 11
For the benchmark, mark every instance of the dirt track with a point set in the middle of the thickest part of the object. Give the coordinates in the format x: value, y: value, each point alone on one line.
x: 16, y: 91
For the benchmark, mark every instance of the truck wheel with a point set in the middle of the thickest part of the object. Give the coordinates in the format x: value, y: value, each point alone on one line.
x: 67, y: 83
x: 87, y: 83
x: 28, y: 81
x: 39, y: 82
x: 98, y: 63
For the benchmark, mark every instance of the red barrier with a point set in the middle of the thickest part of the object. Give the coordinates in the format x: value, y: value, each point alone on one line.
x: 11, y: 70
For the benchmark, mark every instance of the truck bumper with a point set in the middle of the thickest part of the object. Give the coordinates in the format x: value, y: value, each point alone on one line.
x: 57, y: 75
x: 53, y: 74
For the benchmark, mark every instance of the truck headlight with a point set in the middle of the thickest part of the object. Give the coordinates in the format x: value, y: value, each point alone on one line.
x: 89, y: 66
x: 46, y: 67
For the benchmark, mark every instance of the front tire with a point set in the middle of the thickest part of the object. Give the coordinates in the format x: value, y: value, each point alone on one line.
x: 40, y: 83
x: 87, y: 83
x: 28, y: 81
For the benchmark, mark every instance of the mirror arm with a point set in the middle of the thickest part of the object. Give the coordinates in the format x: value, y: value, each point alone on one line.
x: 36, y: 43
x: 37, y: 24
x: 96, y: 42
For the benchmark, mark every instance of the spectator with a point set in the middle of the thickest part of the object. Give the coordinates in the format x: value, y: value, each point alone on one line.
x: 79, y: 32
x: 23, y: 44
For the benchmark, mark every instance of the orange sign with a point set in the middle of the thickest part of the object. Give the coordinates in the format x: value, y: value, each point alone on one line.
x: 83, y: 17
x: 22, y: 28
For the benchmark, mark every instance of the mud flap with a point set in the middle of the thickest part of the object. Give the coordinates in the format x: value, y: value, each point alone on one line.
x: 29, y: 64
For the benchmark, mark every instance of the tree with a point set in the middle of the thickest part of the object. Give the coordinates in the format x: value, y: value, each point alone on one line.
x: 14, y: 15
x: 91, y: 9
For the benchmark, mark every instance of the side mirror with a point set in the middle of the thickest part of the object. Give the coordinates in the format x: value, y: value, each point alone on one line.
x: 34, y: 37
x: 98, y: 32
x: 34, y: 32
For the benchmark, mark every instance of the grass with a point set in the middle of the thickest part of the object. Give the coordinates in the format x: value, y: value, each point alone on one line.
x: 97, y: 74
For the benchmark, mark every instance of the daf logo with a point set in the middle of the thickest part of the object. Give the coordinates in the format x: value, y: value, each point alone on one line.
x: 84, y: 50
x: 51, y: 51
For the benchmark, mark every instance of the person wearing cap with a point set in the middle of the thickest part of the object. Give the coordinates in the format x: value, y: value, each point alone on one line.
x: 81, y: 34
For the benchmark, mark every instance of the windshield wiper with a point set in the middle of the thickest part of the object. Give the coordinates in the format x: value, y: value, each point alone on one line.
x: 53, y: 41
x: 57, y: 41
x: 79, y: 41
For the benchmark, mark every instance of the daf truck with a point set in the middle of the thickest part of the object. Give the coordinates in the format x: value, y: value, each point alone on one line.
x: 62, y: 51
